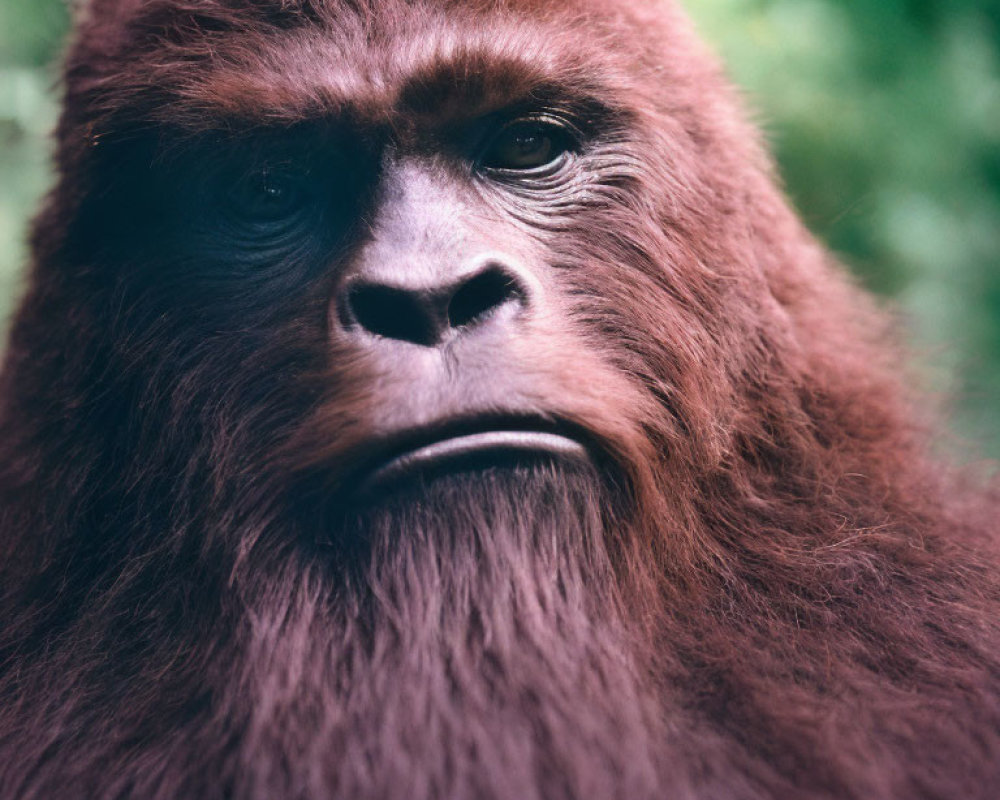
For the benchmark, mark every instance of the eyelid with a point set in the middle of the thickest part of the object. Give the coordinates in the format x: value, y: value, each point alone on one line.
x: 569, y: 134
x: 551, y: 119
x: 246, y: 195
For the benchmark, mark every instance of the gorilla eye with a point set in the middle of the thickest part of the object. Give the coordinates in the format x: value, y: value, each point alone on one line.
x: 266, y: 196
x: 528, y: 145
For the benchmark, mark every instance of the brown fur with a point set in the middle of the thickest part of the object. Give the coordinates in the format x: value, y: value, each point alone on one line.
x: 772, y: 592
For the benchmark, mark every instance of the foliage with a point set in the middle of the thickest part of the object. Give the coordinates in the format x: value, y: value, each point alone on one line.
x: 885, y: 116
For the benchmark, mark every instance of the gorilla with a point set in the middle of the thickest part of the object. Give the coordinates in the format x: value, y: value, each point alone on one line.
x: 439, y: 399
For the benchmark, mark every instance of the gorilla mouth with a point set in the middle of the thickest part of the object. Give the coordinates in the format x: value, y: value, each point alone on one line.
x: 469, y: 446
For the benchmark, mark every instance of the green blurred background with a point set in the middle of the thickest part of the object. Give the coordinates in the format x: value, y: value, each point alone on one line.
x: 884, y: 114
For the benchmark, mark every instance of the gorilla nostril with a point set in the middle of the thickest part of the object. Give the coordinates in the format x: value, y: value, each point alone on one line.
x: 393, y: 313
x: 429, y: 315
x: 481, y: 295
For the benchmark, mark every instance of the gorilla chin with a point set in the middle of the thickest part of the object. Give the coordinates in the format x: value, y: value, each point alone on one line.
x: 498, y: 473
x: 499, y: 491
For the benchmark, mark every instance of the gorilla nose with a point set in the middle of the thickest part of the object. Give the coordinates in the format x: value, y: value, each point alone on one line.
x: 429, y: 316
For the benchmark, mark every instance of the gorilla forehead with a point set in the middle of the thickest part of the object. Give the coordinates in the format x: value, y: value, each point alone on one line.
x: 282, y: 62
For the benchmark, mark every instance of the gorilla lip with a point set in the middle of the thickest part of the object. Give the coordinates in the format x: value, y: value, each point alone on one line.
x: 475, y: 445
